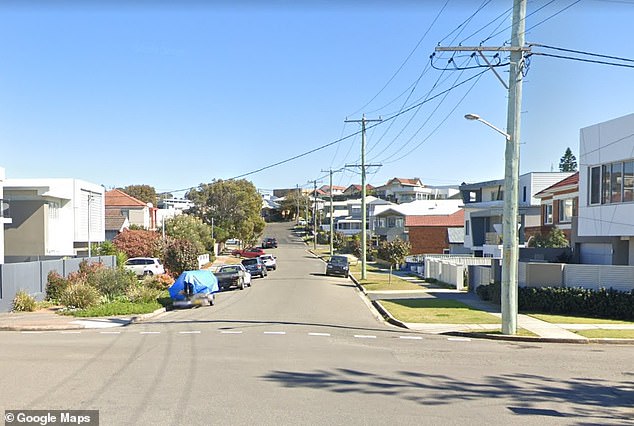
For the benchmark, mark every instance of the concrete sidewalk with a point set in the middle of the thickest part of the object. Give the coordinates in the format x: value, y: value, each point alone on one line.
x: 48, y: 320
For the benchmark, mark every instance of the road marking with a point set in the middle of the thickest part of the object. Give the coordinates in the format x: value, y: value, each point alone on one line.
x: 319, y: 334
x: 150, y: 332
x: 458, y: 339
x: 110, y: 332
x: 32, y: 332
x: 230, y: 332
x: 274, y: 332
x: 364, y: 336
x: 70, y: 332
x: 189, y: 332
x: 410, y: 337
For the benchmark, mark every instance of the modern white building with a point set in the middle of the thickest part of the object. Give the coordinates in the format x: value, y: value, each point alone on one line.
x: 606, y: 193
x: 52, y: 218
x: 4, y: 207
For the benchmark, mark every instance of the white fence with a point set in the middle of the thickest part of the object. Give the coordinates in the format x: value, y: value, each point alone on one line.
x: 599, y: 276
x: 203, y: 259
x: 451, y: 270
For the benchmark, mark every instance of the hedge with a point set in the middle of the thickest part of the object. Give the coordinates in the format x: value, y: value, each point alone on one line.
x: 576, y: 301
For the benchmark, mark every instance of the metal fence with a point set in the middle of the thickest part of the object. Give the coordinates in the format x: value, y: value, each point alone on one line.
x: 32, y: 276
x: 452, y: 270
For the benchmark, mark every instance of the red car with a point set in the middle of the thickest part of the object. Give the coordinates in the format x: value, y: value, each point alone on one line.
x: 249, y: 252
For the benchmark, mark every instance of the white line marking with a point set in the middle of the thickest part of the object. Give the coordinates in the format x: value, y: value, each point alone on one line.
x: 150, y: 332
x: 70, y: 332
x: 110, y: 332
x: 319, y: 334
x: 410, y: 337
x: 274, y: 332
x: 189, y: 332
x: 230, y: 332
x: 364, y: 336
x: 458, y: 339
x: 32, y: 332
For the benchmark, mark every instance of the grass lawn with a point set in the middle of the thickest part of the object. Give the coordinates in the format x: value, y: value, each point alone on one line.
x: 564, y: 319
x: 437, y: 311
x: 606, y: 334
x: 115, y: 308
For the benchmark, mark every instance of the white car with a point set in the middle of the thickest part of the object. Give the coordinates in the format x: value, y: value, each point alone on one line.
x: 142, y: 266
x: 269, y: 261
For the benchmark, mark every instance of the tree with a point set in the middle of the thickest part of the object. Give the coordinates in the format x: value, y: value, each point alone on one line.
x: 568, y: 163
x: 187, y: 227
x: 234, y: 206
x: 394, y: 252
x: 180, y: 256
x: 291, y: 201
x: 145, y: 193
x: 555, y: 239
x: 139, y: 243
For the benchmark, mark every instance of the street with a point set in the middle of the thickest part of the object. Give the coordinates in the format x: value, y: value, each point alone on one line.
x: 302, y: 348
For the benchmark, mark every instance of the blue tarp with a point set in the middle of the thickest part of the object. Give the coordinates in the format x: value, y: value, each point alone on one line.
x: 203, y: 282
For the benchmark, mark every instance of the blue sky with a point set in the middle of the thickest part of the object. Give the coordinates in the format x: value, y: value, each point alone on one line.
x: 175, y: 96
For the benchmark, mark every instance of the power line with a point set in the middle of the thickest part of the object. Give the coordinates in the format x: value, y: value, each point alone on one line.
x: 581, y: 52
x: 552, y: 16
x: 405, y: 61
x: 465, y: 22
x: 592, y: 61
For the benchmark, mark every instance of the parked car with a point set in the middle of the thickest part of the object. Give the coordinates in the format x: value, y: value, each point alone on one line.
x: 269, y: 243
x: 255, y: 266
x: 144, y: 266
x: 194, y: 288
x: 249, y: 252
x: 233, y: 276
x: 338, y: 265
x: 269, y: 261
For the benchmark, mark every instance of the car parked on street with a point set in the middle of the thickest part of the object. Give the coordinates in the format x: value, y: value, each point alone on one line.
x: 235, y: 275
x: 269, y: 243
x: 249, y: 252
x: 142, y: 266
x: 269, y: 261
x: 255, y: 266
x: 338, y: 265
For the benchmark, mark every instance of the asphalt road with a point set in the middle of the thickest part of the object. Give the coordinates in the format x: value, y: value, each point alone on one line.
x: 301, y: 348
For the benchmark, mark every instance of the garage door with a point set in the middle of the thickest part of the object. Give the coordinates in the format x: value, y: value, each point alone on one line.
x: 595, y: 254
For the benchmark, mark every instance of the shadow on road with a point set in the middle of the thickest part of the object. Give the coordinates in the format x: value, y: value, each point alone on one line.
x: 587, y: 400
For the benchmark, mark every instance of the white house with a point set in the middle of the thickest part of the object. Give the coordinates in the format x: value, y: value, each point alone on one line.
x: 52, y: 218
x: 606, y: 192
x: 3, y: 215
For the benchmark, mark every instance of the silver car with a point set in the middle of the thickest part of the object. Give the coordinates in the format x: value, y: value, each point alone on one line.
x: 142, y: 266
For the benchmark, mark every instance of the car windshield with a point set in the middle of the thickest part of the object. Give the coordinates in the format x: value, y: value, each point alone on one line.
x: 339, y: 260
x: 250, y: 262
x: 230, y: 269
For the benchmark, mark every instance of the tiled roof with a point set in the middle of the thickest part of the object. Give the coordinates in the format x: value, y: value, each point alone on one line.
x: 118, y: 198
x: 455, y: 219
x: 403, y: 181
x: 571, y: 180
x: 114, y: 220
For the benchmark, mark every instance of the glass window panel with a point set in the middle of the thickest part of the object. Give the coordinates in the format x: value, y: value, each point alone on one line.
x: 628, y: 181
x: 595, y: 185
x: 605, y: 181
x: 616, y: 182
x: 565, y: 210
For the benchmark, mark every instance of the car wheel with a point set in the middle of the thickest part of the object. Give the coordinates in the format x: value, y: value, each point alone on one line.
x: 150, y: 273
x: 346, y: 275
x: 274, y: 268
x: 212, y: 300
x: 241, y: 285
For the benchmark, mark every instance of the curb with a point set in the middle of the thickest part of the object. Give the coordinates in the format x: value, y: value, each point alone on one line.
x: 41, y: 327
x: 582, y: 341
x: 143, y: 317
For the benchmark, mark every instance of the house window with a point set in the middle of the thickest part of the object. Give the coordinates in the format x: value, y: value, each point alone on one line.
x: 524, y: 193
x: 548, y: 213
x: 605, y: 182
x: 565, y: 210
x: 399, y: 222
x: 595, y: 185
x: 616, y: 182
x: 466, y: 227
x: 628, y: 181
x: 391, y: 222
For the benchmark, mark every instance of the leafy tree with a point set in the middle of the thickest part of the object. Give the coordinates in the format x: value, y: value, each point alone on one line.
x: 108, y: 248
x: 187, y: 227
x: 568, y: 162
x: 145, y: 193
x: 291, y: 201
x: 180, y: 255
x: 394, y: 252
x: 234, y: 205
x: 555, y: 239
x: 139, y: 243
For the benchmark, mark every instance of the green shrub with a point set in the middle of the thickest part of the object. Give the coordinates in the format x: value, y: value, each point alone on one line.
x: 23, y: 302
x: 79, y: 294
x: 112, y: 282
x: 602, y: 303
x: 181, y: 255
x: 55, y: 285
x: 158, y: 282
x: 142, y: 294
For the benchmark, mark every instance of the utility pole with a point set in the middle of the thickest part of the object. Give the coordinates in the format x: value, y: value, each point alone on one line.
x: 363, y: 166
x: 510, y: 248
x: 332, y: 212
x: 297, y: 216
x: 314, y: 213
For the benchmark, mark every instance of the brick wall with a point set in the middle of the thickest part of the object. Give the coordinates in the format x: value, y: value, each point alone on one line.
x: 428, y: 239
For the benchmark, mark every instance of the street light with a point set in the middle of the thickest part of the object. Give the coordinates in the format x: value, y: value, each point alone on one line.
x: 510, y: 247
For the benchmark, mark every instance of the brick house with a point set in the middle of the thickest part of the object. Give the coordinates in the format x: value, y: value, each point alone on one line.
x: 433, y: 234
x: 136, y: 211
x: 559, y: 205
